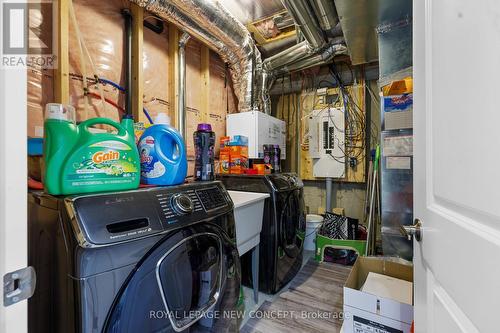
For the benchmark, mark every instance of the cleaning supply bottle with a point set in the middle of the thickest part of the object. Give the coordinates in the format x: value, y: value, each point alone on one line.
x: 162, y: 153
x: 78, y: 160
x: 204, y: 144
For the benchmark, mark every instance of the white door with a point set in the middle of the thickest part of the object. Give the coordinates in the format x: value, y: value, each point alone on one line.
x: 13, y: 193
x: 457, y: 165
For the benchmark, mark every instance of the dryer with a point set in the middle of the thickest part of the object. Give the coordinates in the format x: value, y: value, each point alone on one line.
x: 149, y: 260
x: 283, y: 227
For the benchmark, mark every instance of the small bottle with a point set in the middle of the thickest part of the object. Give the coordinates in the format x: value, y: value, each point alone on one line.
x: 276, y: 158
x: 204, y: 143
x: 267, y: 154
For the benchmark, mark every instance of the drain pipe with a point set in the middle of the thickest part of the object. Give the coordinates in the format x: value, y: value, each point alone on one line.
x: 128, y: 61
x: 181, y: 89
x: 329, y: 184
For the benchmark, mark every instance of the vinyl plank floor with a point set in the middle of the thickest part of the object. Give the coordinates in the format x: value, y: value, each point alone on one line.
x: 312, y: 303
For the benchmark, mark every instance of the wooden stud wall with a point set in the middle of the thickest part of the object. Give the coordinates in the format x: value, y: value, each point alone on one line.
x: 61, y: 82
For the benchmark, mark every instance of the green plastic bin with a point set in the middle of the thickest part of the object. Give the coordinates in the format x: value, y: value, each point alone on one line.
x: 323, y: 242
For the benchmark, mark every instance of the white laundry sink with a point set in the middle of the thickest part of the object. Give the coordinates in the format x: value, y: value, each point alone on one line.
x: 248, y: 215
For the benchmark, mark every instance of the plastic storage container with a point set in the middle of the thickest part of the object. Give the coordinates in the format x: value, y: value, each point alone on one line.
x: 80, y: 161
x: 163, y: 154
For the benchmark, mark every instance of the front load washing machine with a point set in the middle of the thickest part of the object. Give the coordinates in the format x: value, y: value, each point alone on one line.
x: 149, y: 260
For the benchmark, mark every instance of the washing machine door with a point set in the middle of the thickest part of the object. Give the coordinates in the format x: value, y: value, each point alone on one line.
x: 189, y: 283
x: 291, y: 226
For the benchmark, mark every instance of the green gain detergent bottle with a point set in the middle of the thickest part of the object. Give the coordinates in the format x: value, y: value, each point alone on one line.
x: 80, y: 161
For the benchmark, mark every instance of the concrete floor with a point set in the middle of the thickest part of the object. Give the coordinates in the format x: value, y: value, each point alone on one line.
x: 250, y: 304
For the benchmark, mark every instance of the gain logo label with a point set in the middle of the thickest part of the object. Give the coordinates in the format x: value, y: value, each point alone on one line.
x: 101, y: 156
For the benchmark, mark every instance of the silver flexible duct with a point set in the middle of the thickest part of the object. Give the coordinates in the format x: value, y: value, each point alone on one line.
x: 181, y: 115
x: 211, y: 23
x: 311, y: 52
x: 291, y: 54
x: 304, y: 17
x: 314, y: 60
x: 326, y: 13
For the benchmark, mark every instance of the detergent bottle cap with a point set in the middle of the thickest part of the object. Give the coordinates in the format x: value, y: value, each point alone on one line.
x: 60, y: 112
x: 162, y: 118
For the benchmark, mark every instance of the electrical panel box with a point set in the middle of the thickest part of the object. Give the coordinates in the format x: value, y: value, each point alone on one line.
x: 326, y: 142
x: 260, y: 128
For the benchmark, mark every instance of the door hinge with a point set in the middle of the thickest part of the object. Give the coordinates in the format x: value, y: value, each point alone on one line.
x: 18, y: 285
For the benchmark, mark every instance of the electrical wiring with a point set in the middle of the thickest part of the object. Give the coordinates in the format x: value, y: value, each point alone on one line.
x: 82, y: 48
x: 111, y: 83
x: 356, y: 126
x: 122, y: 89
x: 110, y: 102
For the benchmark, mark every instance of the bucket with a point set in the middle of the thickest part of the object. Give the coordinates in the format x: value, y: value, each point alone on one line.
x: 313, y: 222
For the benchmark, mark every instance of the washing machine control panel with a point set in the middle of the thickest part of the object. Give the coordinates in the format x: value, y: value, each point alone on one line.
x: 211, y: 198
x: 192, y: 203
x: 182, y: 204
x: 116, y: 217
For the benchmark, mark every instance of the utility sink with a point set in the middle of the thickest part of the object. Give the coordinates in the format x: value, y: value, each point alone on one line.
x: 248, y: 215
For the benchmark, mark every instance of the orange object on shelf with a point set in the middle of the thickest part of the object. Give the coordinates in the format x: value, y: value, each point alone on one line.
x: 262, y: 169
x: 238, y: 159
x: 224, y: 160
x: 400, y: 87
x: 224, y: 142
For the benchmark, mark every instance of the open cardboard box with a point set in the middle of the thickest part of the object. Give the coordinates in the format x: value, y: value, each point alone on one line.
x: 365, y: 312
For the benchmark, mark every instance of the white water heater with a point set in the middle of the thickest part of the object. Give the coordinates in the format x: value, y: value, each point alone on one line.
x: 260, y: 128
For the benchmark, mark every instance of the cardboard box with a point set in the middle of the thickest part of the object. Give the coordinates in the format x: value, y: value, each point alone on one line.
x: 397, y: 112
x: 238, y: 159
x: 366, y: 312
x: 224, y: 160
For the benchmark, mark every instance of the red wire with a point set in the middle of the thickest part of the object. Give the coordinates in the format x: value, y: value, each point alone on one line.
x: 34, y: 185
x: 107, y: 101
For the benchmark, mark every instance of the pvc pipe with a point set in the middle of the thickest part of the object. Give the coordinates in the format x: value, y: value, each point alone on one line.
x: 329, y: 184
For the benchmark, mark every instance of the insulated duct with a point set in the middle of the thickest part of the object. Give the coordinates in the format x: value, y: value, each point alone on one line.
x: 291, y: 54
x: 213, y: 25
x: 303, y: 16
x: 326, y: 13
x: 311, y: 52
x: 316, y: 59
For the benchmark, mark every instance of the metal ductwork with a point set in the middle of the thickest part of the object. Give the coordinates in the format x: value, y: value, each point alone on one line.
x: 326, y: 13
x: 304, y: 18
x: 291, y: 54
x: 314, y: 60
x: 313, y: 51
x: 213, y: 25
